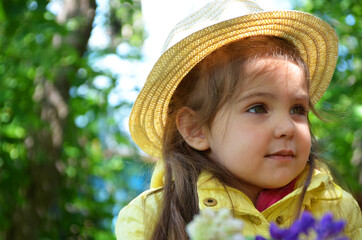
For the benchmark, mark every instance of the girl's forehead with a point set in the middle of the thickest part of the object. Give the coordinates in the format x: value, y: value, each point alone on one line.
x: 259, y: 71
x: 271, y: 76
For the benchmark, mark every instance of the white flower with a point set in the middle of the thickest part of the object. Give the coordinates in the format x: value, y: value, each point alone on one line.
x: 210, y: 225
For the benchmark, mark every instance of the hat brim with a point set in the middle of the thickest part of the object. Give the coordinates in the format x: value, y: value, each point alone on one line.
x: 316, y: 41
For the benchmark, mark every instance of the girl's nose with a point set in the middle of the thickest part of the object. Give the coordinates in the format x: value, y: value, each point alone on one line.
x: 284, y: 128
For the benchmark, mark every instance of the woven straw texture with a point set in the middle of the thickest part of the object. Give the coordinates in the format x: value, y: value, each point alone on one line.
x: 212, y: 27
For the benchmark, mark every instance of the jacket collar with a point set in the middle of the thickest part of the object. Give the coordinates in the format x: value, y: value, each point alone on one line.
x: 319, y: 189
x: 209, y: 186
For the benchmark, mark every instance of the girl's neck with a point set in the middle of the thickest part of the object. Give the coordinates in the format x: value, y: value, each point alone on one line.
x: 252, y: 192
x: 253, y: 196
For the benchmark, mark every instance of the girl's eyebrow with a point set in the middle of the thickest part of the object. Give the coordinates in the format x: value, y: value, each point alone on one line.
x: 256, y: 94
x: 303, y: 97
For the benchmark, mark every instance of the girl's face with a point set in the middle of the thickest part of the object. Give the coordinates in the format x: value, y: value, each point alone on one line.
x: 263, y: 137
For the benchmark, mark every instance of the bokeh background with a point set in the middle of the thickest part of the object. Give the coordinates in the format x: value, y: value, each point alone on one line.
x: 69, y: 73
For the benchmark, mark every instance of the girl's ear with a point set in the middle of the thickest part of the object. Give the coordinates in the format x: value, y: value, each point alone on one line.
x: 190, y: 129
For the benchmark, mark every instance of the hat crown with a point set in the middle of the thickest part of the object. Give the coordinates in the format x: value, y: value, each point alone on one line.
x: 212, y: 13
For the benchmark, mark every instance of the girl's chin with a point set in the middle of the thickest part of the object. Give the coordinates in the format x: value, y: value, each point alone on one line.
x: 277, y: 185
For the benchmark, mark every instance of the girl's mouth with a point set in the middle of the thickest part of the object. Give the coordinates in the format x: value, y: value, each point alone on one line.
x: 285, y: 155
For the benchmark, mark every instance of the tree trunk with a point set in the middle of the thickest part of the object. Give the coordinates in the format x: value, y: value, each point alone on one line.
x: 45, y: 145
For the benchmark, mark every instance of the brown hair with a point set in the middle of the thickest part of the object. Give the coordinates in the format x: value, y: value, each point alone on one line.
x: 206, y: 88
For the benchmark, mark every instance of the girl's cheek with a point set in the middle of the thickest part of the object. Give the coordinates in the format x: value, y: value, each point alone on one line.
x: 308, y: 139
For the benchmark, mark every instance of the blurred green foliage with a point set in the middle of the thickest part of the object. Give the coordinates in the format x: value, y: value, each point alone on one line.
x: 340, y: 135
x: 60, y: 178
x: 66, y: 166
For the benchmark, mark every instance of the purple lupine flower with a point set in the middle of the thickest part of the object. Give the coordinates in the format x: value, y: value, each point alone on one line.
x: 327, y: 228
x: 260, y: 238
x: 304, y: 224
x: 277, y: 233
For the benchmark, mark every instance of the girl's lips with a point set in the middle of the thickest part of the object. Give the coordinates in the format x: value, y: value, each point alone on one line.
x: 282, y: 155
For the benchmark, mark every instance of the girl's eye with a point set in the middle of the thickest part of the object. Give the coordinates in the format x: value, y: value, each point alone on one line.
x: 300, y: 110
x: 257, y: 109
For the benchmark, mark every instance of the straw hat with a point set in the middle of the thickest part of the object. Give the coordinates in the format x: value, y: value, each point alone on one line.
x: 216, y: 24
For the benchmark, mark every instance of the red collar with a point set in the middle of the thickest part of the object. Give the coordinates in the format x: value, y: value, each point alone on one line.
x: 268, y: 197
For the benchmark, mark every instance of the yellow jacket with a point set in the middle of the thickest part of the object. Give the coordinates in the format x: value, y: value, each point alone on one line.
x: 137, y: 219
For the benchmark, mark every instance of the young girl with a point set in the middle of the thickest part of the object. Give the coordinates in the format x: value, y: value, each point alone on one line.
x: 225, y: 109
